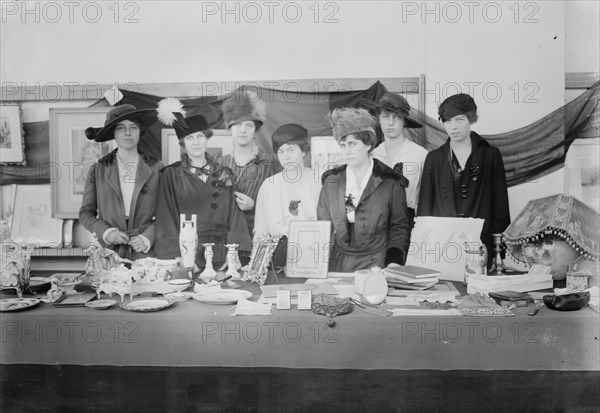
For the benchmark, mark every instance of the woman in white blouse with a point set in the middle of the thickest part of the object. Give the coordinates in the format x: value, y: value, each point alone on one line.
x: 291, y: 195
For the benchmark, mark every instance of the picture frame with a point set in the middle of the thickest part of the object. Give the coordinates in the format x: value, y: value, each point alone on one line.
x: 262, y: 253
x: 325, y: 154
x: 72, y: 154
x: 220, y: 144
x: 32, y: 221
x: 12, y: 135
x: 308, y: 249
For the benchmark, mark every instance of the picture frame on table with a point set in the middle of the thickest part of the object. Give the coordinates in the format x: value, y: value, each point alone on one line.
x: 72, y: 154
x: 308, y: 249
x: 262, y: 253
x: 325, y: 154
x: 220, y: 144
x: 12, y: 135
x: 32, y: 221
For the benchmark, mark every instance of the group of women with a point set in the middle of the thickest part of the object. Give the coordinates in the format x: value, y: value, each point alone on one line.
x: 133, y: 203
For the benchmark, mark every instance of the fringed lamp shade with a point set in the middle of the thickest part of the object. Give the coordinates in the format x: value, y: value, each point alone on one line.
x: 551, y: 221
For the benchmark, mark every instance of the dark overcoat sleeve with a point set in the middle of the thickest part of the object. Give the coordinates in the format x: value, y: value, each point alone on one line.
x: 398, y: 228
x: 500, y: 209
x: 427, y: 191
x: 167, y: 217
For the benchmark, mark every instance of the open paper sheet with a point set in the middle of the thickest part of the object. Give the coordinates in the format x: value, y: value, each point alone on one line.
x: 439, y: 243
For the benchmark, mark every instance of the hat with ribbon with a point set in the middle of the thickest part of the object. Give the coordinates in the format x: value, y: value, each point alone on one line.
x: 391, y: 102
x: 142, y: 117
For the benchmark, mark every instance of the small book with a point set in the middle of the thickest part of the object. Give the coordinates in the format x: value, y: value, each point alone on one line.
x: 508, y: 295
x: 74, y: 300
x: 402, y: 286
x: 408, y: 280
x: 413, y: 271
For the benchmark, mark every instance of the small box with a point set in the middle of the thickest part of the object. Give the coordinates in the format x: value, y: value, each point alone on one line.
x: 284, y: 300
x: 304, y: 300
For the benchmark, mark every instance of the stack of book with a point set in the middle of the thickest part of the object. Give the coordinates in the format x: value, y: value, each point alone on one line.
x: 411, y: 277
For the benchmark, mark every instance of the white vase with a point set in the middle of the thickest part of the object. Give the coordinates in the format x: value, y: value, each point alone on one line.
x: 188, y: 240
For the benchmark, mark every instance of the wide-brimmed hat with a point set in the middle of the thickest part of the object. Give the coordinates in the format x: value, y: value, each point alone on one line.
x: 289, y: 132
x: 193, y: 124
x: 459, y: 104
x: 144, y: 117
x: 391, y: 102
x: 345, y: 121
x: 244, y: 105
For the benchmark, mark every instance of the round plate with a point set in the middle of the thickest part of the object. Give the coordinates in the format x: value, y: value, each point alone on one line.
x: 17, y: 304
x: 37, y: 284
x: 146, y: 304
x: 100, y: 304
x: 182, y: 296
x: 223, y: 297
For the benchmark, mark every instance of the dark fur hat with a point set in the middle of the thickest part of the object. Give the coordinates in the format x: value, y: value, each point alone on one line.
x: 243, y: 105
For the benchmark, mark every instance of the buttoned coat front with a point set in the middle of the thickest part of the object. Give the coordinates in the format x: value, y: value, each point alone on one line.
x: 380, y: 224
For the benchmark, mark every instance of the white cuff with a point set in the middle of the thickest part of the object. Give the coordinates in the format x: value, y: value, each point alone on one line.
x: 108, y: 231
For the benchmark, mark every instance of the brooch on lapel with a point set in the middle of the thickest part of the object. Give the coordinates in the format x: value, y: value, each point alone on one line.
x: 294, y: 208
x: 474, y: 171
x: 144, y: 189
x: 350, y: 207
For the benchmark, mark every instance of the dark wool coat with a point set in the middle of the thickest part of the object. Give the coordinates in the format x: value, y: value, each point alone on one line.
x: 102, y: 204
x: 480, y: 192
x: 380, y: 232
x: 219, y: 220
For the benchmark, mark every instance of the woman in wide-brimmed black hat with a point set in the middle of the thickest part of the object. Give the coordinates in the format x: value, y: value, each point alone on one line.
x: 119, y: 197
x: 198, y: 185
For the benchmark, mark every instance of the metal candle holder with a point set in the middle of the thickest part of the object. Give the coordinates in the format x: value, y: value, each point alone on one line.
x: 498, y: 262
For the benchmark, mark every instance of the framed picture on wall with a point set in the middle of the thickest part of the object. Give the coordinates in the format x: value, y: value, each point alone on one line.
x: 72, y: 154
x: 12, y: 137
x: 325, y: 154
x: 220, y: 144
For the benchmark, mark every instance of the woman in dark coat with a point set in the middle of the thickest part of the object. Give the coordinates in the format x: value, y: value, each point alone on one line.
x: 198, y: 185
x: 119, y: 196
x: 365, y: 200
x: 465, y: 177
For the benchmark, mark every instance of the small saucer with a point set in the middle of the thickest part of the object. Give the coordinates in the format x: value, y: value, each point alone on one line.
x: 179, y: 296
x: 100, y: 304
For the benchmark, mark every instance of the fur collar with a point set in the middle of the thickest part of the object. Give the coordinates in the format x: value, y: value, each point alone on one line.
x: 111, y: 158
x: 380, y: 170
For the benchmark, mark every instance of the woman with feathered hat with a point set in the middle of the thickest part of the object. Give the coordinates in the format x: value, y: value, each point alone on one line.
x: 196, y: 185
x: 365, y: 200
x: 119, y: 196
x: 244, y: 114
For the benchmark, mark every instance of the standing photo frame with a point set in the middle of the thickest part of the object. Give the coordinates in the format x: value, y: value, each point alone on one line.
x: 262, y: 253
x: 308, y: 249
x: 12, y: 135
x: 72, y: 154
x: 220, y: 144
x: 32, y: 222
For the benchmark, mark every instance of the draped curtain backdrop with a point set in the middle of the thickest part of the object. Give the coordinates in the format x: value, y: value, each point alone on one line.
x: 529, y: 152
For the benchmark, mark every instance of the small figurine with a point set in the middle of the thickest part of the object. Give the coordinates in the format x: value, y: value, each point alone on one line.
x: 209, y: 272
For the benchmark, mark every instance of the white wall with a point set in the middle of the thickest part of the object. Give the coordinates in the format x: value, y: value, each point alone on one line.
x: 515, y: 49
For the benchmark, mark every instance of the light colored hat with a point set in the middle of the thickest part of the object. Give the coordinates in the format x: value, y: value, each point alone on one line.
x: 345, y: 121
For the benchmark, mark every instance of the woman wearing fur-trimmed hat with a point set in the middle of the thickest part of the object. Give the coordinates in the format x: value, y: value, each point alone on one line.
x: 365, y: 200
x: 244, y: 114
x: 465, y: 177
x: 198, y: 185
x: 290, y: 195
x: 119, y: 196
x: 398, y: 151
